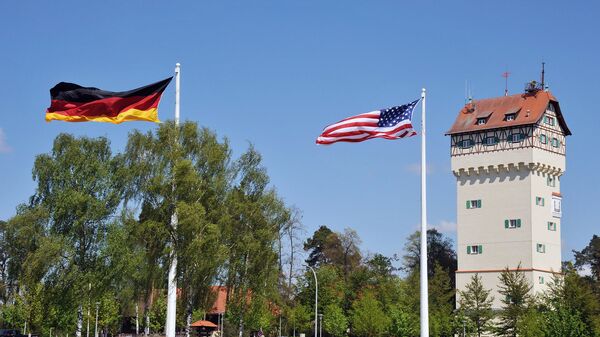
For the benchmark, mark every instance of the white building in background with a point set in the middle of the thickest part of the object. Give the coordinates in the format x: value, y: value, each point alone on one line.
x: 508, y: 155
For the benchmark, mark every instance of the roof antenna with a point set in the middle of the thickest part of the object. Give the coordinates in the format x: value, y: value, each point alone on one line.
x: 543, y: 79
x: 505, y: 75
x: 469, y: 97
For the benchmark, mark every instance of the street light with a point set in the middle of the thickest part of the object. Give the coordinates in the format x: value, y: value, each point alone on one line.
x: 320, y: 325
x: 316, y: 297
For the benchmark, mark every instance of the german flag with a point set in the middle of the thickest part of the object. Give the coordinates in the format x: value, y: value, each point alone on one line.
x: 74, y: 103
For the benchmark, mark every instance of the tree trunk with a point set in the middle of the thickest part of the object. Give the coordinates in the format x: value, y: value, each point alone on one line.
x: 147, y: 327
x: 79, y: 321
x: 291, y: 234
x: 188, y: 314
x: 243, y: 295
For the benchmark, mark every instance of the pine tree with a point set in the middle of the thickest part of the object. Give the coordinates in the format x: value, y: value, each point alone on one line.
x: 515, y: 289
x: 476, y: 304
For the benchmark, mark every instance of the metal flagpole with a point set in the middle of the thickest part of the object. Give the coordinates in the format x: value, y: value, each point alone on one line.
x: 424, y: 294
x: 172, y: 282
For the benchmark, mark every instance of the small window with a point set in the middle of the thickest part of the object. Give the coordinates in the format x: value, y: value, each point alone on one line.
x: 543, y: 139
x: 466, y: 143
x: 475, y: 249
x: 540, y: 279
x: 555, y: 142
x: 516, y: 137
x: 552, y: 226
x: 550, y: 107
x: 512, y: 223
x: 541, y: 248
x: 539, y: 201
x: 489, y: 141
x: 481, y: 121
x: 510, y: 117
x: 473, y: 204
x: 549, y: 120
x: 551, y: 181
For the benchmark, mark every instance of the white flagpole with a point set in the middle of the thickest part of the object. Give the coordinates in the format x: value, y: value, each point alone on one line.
x: 171, y: 279
x: 424, y: 291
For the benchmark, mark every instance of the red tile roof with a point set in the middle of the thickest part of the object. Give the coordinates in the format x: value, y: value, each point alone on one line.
x: 207, y: 324
x: 220, y: 304
x: 529, y: 109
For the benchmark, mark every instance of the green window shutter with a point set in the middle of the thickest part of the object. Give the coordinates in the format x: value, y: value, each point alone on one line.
x: 518, y: 223
x: 549, y: 226
x: 468, y: 204
x: 468, y: 249
x: 506, y: 222
x: 479, y: 203
x: 480, y: 249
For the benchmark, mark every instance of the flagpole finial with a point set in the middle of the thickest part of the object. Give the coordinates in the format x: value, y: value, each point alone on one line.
x: 423, y: 92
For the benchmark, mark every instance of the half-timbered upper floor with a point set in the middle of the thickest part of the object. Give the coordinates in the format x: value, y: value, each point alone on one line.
x: 510, y: 122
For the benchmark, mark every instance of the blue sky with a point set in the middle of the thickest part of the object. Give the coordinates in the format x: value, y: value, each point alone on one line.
x: 274, y: 73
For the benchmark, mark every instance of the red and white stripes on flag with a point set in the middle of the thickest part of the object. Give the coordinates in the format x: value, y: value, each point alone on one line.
x: 392, y: 123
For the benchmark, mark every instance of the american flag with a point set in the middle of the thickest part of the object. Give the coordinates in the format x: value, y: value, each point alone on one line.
x: 391, y: 123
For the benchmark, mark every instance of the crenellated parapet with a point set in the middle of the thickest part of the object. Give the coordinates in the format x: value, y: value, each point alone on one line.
x: 507, y: 168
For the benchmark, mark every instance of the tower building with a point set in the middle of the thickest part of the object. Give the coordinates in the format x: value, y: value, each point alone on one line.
x: 508, y: 155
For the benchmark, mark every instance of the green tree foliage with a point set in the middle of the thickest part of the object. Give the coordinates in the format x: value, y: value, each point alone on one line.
x: 318, y: 246
x: 335, y: 323
x: 476, y: 305
x: 403, y: 322
x: 441, y: 295
x: 571, y: 297
x: 368, y: 318
x: 58, y: 237
x: 183, y: 171
x: 516, y: 299
x: 439, y: 252
x: 254, y: 214
x: 157, y: 314
x: 590, y: 257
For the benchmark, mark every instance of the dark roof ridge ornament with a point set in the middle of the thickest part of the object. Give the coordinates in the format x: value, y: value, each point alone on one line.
x: 533, y: 87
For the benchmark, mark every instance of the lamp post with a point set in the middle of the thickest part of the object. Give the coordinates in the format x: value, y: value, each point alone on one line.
x: 316, y: 298
x: 320, y: 325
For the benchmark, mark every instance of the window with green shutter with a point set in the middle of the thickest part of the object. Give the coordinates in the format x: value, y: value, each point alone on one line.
x: 473, y: 204
x: 543, y: 139
x: 539, y: 201
x: 512, y: 223
x: 541, y: 248
x: 551, y: 226
x: 474, y: 249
